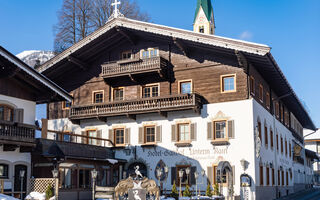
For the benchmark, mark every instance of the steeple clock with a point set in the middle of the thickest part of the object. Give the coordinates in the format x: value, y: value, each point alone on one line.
x: 204, y: 19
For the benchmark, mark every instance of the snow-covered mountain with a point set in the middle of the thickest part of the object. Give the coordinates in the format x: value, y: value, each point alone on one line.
x: 35, y: 57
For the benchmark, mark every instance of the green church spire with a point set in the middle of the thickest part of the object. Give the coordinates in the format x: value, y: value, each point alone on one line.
x: 207, y: 8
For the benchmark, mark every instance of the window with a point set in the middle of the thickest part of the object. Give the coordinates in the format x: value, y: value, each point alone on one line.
x: 84, y: 178
x: 228, y: 83
x: 184, y: 132
x: 281, y: 113
x: 201, y: 29
x: 98, y: 97
x: 282, y: 177
x: 6, y: 113
x: 261, y: 175
x: 268, y: 100
x: 272, y: 173
x: 286, y: 118
x: 185, y: 180
x: 66, y: 105
x: 290, y: 150
x: 277, y: 109
x: 220, y: 131
x: 287, y: 178
x: 271, y: 138
x: 4, y: 171
x: 119, y: 137
x: 92, y: 133
x: 149, y: 53
x: 261, y: 93
x: 68, y: 178
x: 126, y: 55
x: 150, y: 134
x: 185, y: 87
x: 118, y: 94
x: 252, y: 85
x: 259, y: 131
x: 285, y: 148
x: 266, y: 136
x: 279, y: 183
x: 268, y: 175
x: 150, y: 91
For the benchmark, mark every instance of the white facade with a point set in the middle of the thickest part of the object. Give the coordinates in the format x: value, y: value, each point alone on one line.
x: 312, y: 142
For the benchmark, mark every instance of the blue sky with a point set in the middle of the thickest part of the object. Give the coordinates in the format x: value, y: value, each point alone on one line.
x: 290, y: 27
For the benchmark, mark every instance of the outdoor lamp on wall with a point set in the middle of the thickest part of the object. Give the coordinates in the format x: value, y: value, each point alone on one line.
x: 55, y: 173
x: 244, y: 164
x: 94, y: 173
x: 180, y: 177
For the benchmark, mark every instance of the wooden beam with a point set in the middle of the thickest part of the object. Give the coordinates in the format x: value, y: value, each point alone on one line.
x: 78, y: 62
x: 131, y: 39
x: 130, y: 116
x: 163, y: 114
x: 242, y: 60
x: 44, y: 129
x: 102, y: 119
x: 181, y: 46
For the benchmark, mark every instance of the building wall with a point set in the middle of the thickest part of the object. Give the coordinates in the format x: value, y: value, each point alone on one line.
x: 28, y: 106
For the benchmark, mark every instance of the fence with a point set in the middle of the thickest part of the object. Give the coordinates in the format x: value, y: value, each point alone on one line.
x: 41, y: 184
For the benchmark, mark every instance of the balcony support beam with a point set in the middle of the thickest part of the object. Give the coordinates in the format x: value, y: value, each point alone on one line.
x: 131, y: 116
x: 163, y: 114
x: 102, y: 119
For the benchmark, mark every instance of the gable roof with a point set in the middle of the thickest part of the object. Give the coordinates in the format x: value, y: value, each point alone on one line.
x: 257, y: 54
x: 37, y: 78
x: 206, y: 7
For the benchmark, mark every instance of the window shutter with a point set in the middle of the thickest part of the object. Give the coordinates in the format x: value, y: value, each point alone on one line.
x: 111, y: 136
x: 141, y: 135
x: 99, y: 135
x: 231, y: 129
x: 158, y: 134
x: 193, y: 178
x: 193, y: 129
x: 209, y: 129
x: 18, y: 115
x: 83, y: 139
x: 210, y: 175
x: 174, y: 133
x: 173, y: 175
x: 127, y: 136
x: 234, y: 175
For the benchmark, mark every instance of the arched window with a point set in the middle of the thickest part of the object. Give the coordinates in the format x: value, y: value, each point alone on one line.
x: 201, y: 29
x: 4, y: 171
x: 6, y: 113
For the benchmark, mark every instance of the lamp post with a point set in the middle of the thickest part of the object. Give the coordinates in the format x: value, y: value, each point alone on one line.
x: 166, y: 171
x: 196, y: 175
x: 55, y: 174
x: 159, y: 174
x: 94, y: 174
x: 22, y: 173
x: 188, y: 172
x: 180, y: 178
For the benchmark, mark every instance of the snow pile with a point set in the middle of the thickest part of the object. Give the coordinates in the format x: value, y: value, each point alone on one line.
x: 36, y: 196
x: 35, y: 57
x: 5, y: 197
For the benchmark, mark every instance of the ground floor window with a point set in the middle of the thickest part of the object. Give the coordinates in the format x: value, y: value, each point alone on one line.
x: 287, y: 178
x: 84, y: 178
x: 282, y: 178
x: 4, y: 171
x: 261, y: 175
x: 268, y: 175
x: 68, y: 178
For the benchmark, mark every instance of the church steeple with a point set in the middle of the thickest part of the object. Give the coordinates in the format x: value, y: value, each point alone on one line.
x: 203, y: 19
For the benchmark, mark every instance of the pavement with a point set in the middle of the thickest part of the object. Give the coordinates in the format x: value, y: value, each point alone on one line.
x: 313, y: 194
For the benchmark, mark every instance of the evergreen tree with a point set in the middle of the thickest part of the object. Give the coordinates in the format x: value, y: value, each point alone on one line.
x: 49, y: 192
x: 186, y: 192
x: 209, y: 191
x: 216, y: 189
x: 174, y: 191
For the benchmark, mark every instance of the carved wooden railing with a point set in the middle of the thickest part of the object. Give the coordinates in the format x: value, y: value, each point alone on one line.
x: 132, y: 66
x: 139, y: 106
x: 14, y: 131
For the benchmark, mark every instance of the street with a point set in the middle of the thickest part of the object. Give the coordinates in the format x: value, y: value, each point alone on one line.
x: 310, y: 195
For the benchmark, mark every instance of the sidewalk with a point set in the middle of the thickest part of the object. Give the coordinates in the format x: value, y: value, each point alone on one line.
x: 299, y: 194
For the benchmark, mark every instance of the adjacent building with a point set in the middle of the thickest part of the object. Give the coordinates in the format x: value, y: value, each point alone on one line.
x: 312, y: 143
x: 21, y: 88
x: 188, y: 101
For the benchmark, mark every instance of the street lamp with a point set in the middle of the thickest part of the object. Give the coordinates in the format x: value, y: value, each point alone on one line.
x: 55, y: 174
x: 22, y: 173
x: 196, y: 175
x: 159, y: 174
x: 188, y: 172
x: 94, y: 174
x: 203, y: 173
x: 180, y: 178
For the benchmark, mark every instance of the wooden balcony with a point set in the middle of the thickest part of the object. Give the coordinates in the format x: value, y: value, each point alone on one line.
x: 160, y: 105
x: 17, y: 134
x: 135, y: 70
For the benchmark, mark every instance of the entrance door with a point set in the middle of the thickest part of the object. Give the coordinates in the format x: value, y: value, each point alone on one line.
x: 17, y: 180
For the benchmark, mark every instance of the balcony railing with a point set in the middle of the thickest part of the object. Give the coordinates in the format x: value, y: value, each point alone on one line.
x: 16, y: 132
x: 132, y: 66
x: 140, y: 106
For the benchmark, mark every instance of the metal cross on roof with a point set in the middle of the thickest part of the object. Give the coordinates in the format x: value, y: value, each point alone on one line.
x: 116, y: 10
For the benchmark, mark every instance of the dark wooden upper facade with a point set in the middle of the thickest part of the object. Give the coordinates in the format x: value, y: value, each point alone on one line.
x: 100, y: 67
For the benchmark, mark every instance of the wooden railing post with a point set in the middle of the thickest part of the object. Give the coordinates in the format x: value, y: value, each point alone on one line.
x: 44, y: 129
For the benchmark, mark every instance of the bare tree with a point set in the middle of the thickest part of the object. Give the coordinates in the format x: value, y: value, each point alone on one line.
x: 78, y: 18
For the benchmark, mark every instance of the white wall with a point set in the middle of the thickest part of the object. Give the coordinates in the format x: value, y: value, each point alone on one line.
x: 28, y: 106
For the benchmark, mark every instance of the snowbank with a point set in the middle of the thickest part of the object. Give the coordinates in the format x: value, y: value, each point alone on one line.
x: 36, y: 196
x: 5, y: 197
